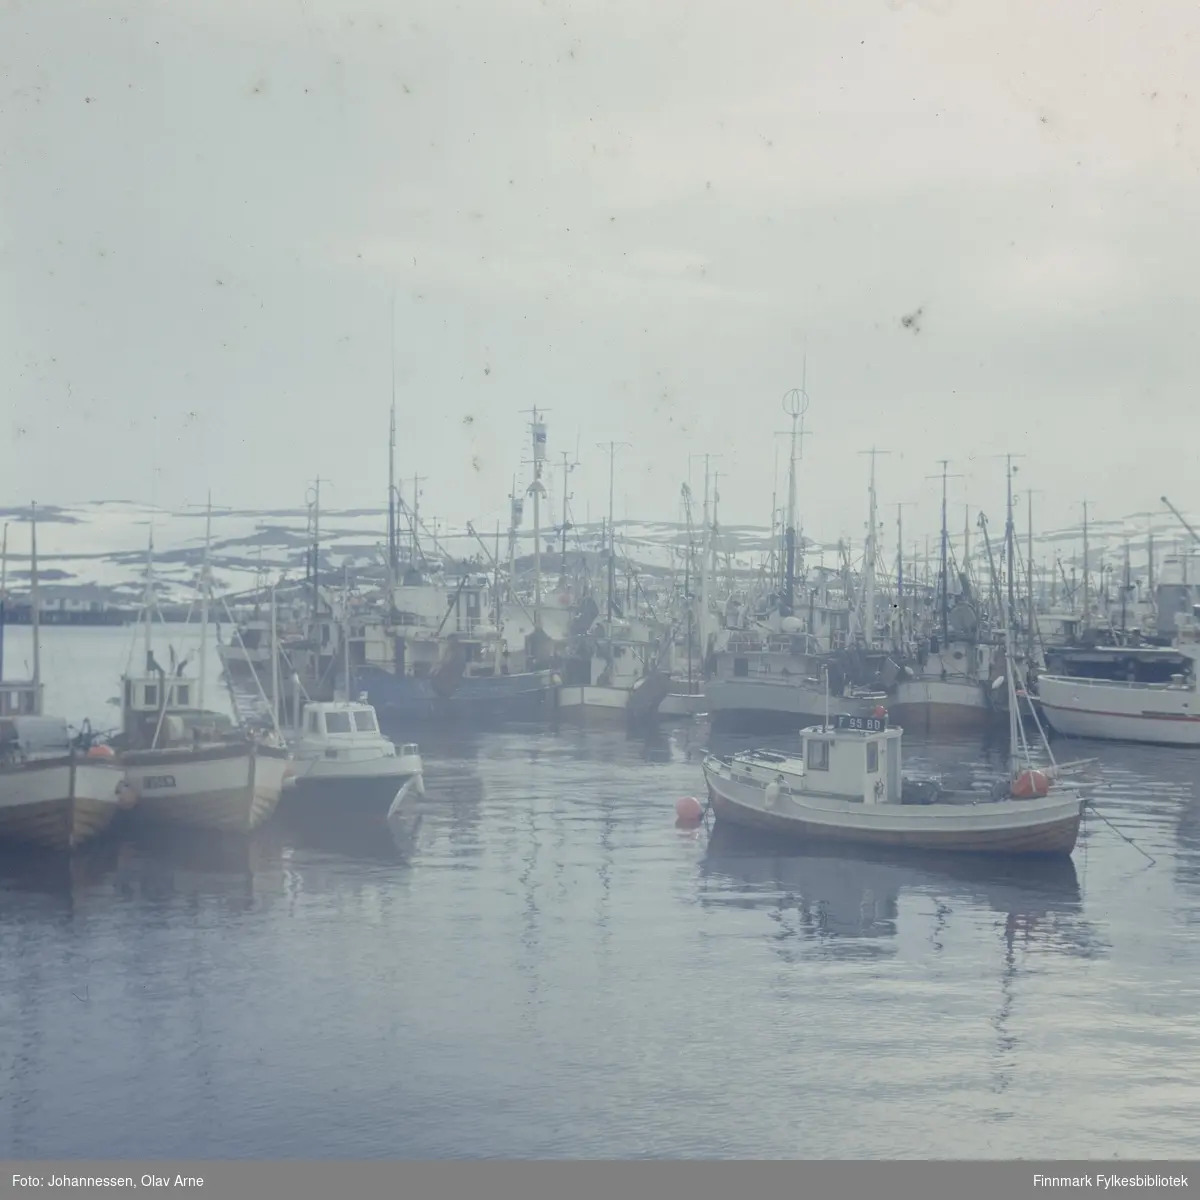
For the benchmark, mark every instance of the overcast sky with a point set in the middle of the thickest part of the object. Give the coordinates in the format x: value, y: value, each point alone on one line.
x: 638, y: 216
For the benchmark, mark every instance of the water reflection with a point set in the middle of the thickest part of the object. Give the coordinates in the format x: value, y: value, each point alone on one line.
x: 837, y: 897
x: 69, y: 878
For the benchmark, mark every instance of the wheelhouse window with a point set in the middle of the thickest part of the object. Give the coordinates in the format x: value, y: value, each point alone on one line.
x: 181, y: 695
x: 872, y: 757
x: 152, y: 696
x: 364, y: 722
x: 337, y: 722
x: 817, y: 758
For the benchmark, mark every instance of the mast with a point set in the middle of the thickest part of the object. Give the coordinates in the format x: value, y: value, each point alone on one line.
x: 900, y: 570
x: 316, y: 548
x: 35, y: 605
x: 538, y: 430
x: 3, y: 592
x: 795, y: 404
x: 202, y: 675
x: 869, y: 559
x: 704, y: 550
x: 945, y: 554
x: 518, y: 511
x: 611, y: 448
x: 391, y: 535
x: 567, y: 468
x: 1029, y: 565
x: 1086, y: 589
x: 1125, y: 586
x: 1010, y: 545
x: 275, y: 660
x: 150, y: 599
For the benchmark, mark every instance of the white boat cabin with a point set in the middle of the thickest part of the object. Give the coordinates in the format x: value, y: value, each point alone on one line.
x: 856, y: 758
x: 339, y: 722
x: 159, y: 710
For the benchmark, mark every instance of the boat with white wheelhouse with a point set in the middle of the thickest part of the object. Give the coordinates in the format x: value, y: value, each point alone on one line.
x: 339, y: 751
x: 846, y: 786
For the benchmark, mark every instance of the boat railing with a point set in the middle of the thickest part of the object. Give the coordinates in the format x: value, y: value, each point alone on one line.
x: 1127, y: 684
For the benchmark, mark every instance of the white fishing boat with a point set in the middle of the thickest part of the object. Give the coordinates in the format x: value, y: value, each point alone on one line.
x: 1112, y: 710
x: 192, y: 767
x: 54, y: 792
x: 340, y: 752
x: 847, y: 786
x: 185, y: 764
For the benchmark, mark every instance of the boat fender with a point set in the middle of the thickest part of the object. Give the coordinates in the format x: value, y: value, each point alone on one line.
x: 878, y: 789
x: 1029, y: 784
x: 688, y: 811
x: 771, y: 795
x: 127, y: 795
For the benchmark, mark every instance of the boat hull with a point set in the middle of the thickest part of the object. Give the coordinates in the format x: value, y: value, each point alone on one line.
x: 229, y: 789
x: 58, y: 804
x: 767, y: 705
x: 1116, y: 712
x: 1048, y: 826
x: 473, y: 699
x: 592, y: 703
x: 683, y: 704
x: 933, y: 706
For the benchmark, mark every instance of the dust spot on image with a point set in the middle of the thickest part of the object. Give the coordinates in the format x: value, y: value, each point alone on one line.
x: 913, y: 320
x: 476, y: 463
x: 468, y: 420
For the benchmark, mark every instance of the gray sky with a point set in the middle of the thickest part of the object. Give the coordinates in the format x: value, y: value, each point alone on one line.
x: 637, y: 215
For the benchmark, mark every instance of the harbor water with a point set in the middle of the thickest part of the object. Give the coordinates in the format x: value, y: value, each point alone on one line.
x: 535, y: 963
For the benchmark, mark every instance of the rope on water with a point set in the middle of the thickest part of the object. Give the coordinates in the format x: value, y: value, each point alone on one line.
x: 1125, y: 837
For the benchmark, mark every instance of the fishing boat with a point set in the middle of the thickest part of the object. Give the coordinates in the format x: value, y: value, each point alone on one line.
x: 847, y: 785
x: 188, y: 765
x: 340, y: 753
x: 55, y: 792
x: 1136, y: 709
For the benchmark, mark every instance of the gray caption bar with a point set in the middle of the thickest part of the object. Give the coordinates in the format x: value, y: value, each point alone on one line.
x: 585, y: 1180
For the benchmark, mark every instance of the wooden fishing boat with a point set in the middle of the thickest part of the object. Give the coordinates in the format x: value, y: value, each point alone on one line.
x: 847, y: 785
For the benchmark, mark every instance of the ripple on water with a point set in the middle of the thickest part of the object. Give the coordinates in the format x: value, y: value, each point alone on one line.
x: 542, y: 965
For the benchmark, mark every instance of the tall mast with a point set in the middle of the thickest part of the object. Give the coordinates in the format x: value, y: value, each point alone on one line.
x: 393, y: 547
x: 150, y: 600
x: 795, y: 404
x: 1086, y: 585
x: 3, y: 593
x: 35, y: 605
x: 704, y: 548
x: 611, y: 448
x: 900, y: 570
x: 870, y: 556
x: 567, y: 468
x: 1010, y: 540
x: 538, y: 431
x: 316, y: 549
x: 1029, y: 566
x: 945, y: 590
x: 205, y: 576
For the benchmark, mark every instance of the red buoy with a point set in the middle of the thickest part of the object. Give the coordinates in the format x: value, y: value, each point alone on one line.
x: 689, y: 811
x: 1029, y: 784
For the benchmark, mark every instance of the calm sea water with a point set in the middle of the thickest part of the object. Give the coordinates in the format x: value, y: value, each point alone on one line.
x: 540, y: 965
